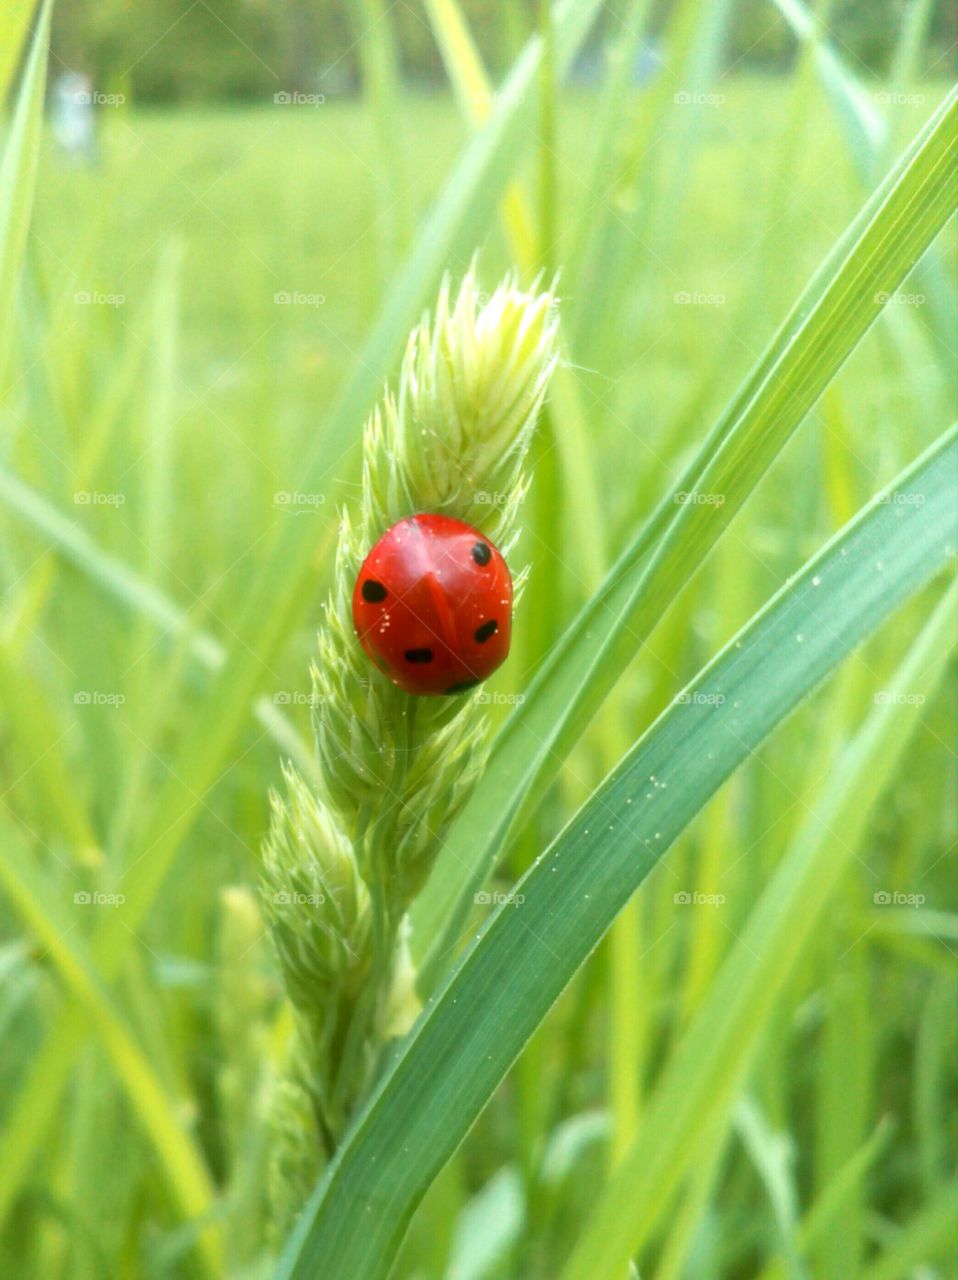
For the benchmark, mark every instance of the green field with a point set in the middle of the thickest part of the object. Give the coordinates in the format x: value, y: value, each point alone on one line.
x: 178, y: 443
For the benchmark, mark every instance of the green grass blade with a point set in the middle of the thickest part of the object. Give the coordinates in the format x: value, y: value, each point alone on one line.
x: 381, y: 84
x: 474, y: 184
x: 931, y: 1236
x: 864, y: 127
x: 14, y: 25
x: 833, y: 314
x: 35, y: 900
x: 443, y: 1076
x: 142, y: 597
x: 277, y: 594
x: 564, y: 426
x: 18, y: 174
x: 703, y: 1075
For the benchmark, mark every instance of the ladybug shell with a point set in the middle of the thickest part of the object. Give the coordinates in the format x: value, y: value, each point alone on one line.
x: 432, y: 605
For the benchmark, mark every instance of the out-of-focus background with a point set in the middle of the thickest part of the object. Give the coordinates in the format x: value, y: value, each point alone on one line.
x: 241, y: 208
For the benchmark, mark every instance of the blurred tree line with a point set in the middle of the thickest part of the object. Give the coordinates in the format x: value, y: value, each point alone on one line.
x: 168, y: 50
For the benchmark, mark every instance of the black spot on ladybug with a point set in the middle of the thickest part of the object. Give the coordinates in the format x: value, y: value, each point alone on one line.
x: 486, y: 630
x: 372, y: 591
x: 462, y: 686
x: 481, y: 553
x: 418, y: 655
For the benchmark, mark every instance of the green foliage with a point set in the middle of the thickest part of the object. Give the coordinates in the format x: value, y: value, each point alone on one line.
x: 165, y: 50
x: 758, y: 315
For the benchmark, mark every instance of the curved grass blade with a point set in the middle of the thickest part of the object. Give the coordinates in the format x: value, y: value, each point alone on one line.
x: 708, y: 1067
x: 444, y: 1074
x: 829, y: 320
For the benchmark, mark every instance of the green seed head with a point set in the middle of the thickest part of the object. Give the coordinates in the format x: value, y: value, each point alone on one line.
x: 453, y: 440
x: 314, y: 898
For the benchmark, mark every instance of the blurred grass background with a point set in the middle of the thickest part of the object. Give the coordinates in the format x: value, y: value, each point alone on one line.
x: 159, y: 402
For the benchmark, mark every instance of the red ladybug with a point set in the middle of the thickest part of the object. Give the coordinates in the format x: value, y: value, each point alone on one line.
x: 432, y: 605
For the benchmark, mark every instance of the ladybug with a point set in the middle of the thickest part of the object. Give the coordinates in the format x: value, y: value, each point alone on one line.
x: 432, y: 605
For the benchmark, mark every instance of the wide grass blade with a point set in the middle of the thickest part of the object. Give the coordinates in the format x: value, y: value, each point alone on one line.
x: 701, y: 1079
x: 470, y: 1034
x: 830, y: 318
